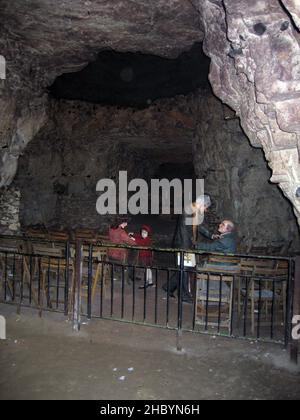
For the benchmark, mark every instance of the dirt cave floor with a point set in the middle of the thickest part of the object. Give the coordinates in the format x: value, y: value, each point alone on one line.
x: 107, y: 360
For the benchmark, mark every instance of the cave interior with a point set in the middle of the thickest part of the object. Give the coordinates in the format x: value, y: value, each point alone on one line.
x: 152, y: 112
x: 164, y: 89
x: 138, y: 113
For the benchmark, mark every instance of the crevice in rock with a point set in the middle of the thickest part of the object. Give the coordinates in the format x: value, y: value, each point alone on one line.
x: 292, y: 21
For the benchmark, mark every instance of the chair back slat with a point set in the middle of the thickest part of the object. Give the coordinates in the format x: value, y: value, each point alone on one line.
x: 47, y: 251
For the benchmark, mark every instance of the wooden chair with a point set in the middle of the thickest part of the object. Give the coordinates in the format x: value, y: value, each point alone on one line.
x: 36, y: 258
x: 35, y: 233
x: 57, y: 236
x: 99, y: 254
x: 17, y: 256
x: 266, y: 286
x: 100, y: 270
x: 258, y: 250
x: 86, y: 235
x: 11, y: 247
x: 276, y: 250
x: 215, y: 291
x: 49, y: 261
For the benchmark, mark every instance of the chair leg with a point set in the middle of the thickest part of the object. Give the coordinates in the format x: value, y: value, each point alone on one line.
x: 239, y: 297
x: 1, y: 275
x: 42, y: 294
x: 71, y: 288
x: 95, y: 281
x: 231, y: 304
x: 26, y: 276
x: 47, y: 290
x: 106, y: 275
x: 266, y: 309
x: 284, y: 298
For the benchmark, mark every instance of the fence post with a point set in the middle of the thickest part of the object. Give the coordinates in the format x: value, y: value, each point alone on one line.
x: 294, y: 346
x: 90, y: 275
x: 77, y: 286
x: 180, y: 287
x: 66, y: 292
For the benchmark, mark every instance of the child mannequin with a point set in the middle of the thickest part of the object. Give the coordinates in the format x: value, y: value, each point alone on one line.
x: 145, y: 257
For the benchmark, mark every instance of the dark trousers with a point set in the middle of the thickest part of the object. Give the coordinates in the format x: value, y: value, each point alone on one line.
x: 174, y: 284
x: 118, y: 269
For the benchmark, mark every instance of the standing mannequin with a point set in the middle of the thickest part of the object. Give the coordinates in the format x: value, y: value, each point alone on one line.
x: 185, y: 238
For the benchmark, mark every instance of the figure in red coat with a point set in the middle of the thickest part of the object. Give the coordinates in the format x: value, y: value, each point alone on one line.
x: 117, y: 256
x: 119, y: 236
x: 145, y: 256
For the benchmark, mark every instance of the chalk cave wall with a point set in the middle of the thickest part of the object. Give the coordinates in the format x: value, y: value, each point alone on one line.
x: 254, y: 48
x: 10, y: 211
x: 57, y: 178
x: 237, y: 177
x: 83, y: 143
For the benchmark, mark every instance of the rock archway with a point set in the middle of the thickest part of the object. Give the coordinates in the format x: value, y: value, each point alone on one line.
x: 254, y: 48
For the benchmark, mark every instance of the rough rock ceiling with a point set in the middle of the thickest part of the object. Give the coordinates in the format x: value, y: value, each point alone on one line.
x: 42, y: 39
x: 65, y: 35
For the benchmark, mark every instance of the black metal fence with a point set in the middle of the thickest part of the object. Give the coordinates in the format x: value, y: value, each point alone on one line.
x: 236, y: 296
x: 35, y: 276
x: 230, y: 295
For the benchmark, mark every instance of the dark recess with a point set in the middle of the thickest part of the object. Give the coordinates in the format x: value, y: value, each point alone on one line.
x: 134, y: 79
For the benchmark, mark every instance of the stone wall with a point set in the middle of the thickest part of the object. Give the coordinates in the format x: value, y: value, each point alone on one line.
x: 84, y: 143
x: 47, y: 39
x: 254, y: 48
x: 9, y: 211
x: 58, y: 178
x: 236, y: 175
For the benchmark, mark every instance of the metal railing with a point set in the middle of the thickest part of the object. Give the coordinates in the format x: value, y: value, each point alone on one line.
x: 35, y: 279
x: 256, y: 306
x: 249, y: 296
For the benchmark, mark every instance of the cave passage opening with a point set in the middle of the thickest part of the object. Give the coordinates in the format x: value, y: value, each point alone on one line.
x: 122, y: 112
x: 134, y: 79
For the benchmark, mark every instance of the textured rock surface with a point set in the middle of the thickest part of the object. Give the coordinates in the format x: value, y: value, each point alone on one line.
x: 9, y: 211
x: 163, y: 131
x: 83, y: 143
x: 255, y: 52
x: 293, y: 6
x: 41, y: 39
x: 236, y: 175
x: 19, y: 125
x: 254, y: 47
x: 62, y: 32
